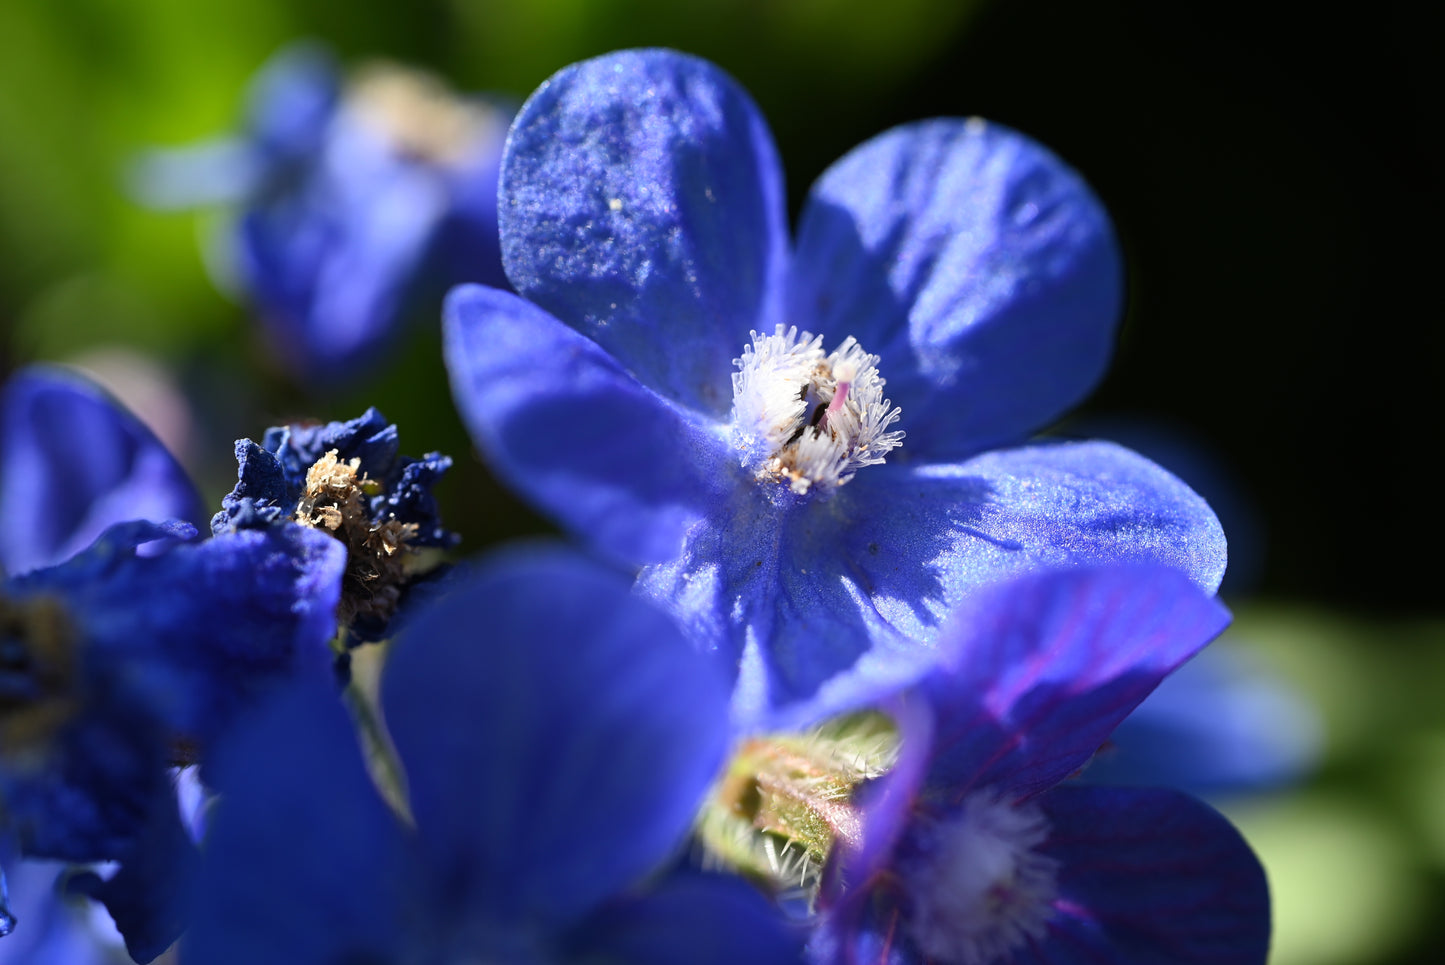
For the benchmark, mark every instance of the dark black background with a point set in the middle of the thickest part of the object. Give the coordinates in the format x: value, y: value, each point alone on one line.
x: 1275, y: 176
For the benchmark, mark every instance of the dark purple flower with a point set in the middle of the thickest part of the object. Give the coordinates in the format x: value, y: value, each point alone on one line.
x: 974, y: 851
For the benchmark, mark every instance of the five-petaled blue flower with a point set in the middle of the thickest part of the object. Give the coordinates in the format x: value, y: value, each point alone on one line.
x: 556, y: 735
x: 689, y: 390
x: 972, y: 851
x: 355, y: 196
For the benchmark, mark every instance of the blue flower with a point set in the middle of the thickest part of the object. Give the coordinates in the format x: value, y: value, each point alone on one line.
x: 556, y: 736
x: 688, y: 389
x: 355, y: 197
x: 114, y: 664
x: 1222, y: 724
x: 135, y: 652
x: 72, y: 463
x: 350, y: 480
x: 972, y: 850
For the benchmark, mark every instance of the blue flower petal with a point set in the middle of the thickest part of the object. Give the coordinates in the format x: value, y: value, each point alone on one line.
x: 694, y: 918
x: 1036, y: 674
x: 368, y: 437
x: 557, y: 736
x: 642, y: 203
x: 148, y: 895
x: 1151, y: 876
x: 977, y: 265
x: 73, y: 461
x: 303, y: 862
x: 204, y: 627
x: 96, y: 783
x: 50, y: 927
x: 935, y: 533
x: 835, y: 603
x: 562, y: 421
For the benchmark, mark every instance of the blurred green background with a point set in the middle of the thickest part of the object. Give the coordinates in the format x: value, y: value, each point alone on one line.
x: 1275, y: 176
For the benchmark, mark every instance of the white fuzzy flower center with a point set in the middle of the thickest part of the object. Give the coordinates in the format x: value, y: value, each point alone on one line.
x: 807, y: 419
x: 978, y: 888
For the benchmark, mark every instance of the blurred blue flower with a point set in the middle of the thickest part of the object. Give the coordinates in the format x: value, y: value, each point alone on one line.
x: 136, y: 651
x: 54, y: 927
x: 556, y: 736
x: 972, y: 852
x: 1222, y: 724
x: 354, y: 197
x: 651, y: 388
x: 348, y: 479
x: 73, y: 462
x: 113, y: 665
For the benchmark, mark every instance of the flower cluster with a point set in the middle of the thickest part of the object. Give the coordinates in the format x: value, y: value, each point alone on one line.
x: 823, y: 683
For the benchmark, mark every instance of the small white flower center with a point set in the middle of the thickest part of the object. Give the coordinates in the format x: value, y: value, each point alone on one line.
x: 807, y: 419
x: 978, y: 887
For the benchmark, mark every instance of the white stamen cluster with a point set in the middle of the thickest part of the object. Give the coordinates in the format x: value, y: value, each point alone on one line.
x: 806, y: 418
x: 979, y: 889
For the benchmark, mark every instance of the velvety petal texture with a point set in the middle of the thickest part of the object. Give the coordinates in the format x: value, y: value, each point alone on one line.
x: 1150, y: 877
x: 1034, y: 677
x: 556, y: 735
x: 556, y: 415
x: 641, y: 208
x: 979, y: 267
x: 642, y: 204
x: 303, y: 862
x: 73, y: 461
x: 833, y: 606
x: 609, y: 729
x: 203, y: 627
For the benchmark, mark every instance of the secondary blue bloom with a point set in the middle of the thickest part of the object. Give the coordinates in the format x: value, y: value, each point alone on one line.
x: 971, y: 852
x: 556, y: 735
x: 114, y: 664
x: 651, y: 390
x: 348, y: 479
x: 73, y: 462
x: 1222, y: 724
x: 356, y: 195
